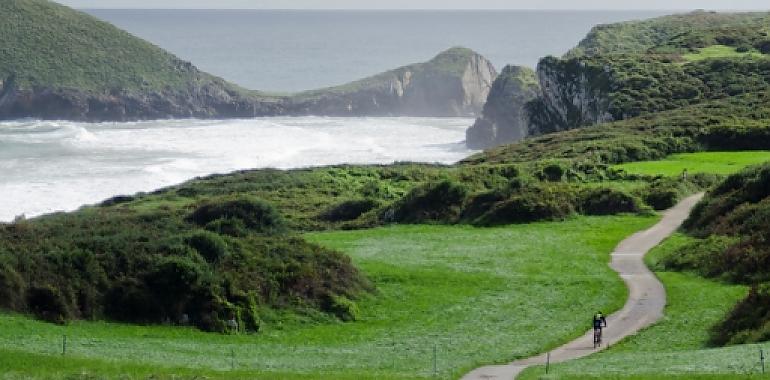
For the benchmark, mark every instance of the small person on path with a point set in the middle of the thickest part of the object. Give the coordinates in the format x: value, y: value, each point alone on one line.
x: 599, y: 321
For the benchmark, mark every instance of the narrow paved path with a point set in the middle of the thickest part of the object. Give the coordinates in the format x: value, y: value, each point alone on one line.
x: 646, y: 298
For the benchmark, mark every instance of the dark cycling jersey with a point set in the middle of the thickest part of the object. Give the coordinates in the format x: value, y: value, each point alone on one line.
x: 599, y: 320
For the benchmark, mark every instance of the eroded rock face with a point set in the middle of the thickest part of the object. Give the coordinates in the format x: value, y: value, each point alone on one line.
x: 574, y: 94
x: 454, y: 83
x: 505, y: 119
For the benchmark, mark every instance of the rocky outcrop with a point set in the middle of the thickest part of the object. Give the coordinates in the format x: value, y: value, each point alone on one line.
x: 206, y: 101
x: 574, y: 93
x: 454, y: 83
x: 505, y: 118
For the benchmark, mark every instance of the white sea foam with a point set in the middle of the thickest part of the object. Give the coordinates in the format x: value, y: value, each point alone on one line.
x: 47, y: 166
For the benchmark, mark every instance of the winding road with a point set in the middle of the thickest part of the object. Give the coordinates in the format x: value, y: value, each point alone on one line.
x: 646, y: 299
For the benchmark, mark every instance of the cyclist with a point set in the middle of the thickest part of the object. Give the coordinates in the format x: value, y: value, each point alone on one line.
x: 599, y: 322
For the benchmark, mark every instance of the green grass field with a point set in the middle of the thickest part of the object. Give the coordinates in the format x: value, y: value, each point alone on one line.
x: 723, y: 163
x: 675, y: 347
x: 720, y: 51
x: 478, y: 295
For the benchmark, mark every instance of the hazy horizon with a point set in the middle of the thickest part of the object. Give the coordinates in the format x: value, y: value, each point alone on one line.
x: 590, y: 5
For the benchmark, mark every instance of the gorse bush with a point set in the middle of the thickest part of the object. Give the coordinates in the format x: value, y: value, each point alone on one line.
x: 256, y: 215
x: 607, y: 202
x: 434, y: 202
x: 349, y: 210
x: 160, y: 266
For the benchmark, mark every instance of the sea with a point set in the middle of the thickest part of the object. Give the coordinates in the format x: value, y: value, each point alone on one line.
x: 50, y: 166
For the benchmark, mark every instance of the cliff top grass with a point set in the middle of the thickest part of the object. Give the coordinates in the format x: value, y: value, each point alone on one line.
x: 451, y: 63
x: 50, y: 45
x: 675, y: 34
x: 722, y: 163
x: 721, y: 51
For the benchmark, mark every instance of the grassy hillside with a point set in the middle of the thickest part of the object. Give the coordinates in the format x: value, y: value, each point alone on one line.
x: 677, y: 33
x: 477, y: 294
x: 46, y: 44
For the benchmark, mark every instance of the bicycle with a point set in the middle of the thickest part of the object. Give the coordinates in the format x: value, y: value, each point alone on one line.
x: 597, y: 338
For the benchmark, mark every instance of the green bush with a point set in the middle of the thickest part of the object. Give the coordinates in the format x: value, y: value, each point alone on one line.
x: 349, y: 210
x: 12, y: 288
x: 47, y: 303
x: 209, y: 245
x: 256, y: 215
x: 432, y: 202
x: 528, y: 207
x: 748, y: 321
x: 342, y: 307
x: 607, y: 202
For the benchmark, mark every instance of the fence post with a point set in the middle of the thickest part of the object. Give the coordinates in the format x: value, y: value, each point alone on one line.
x: 232, y: 359
x: 762, y: 358
x: 547, y: 361
x: 63, y: 345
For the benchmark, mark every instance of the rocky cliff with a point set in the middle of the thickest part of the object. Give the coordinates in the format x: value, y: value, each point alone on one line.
x: 630, y: 69
x: 504, y: 119
x: 58, y: 63
x: 454, y: 83
x: 574, y: 93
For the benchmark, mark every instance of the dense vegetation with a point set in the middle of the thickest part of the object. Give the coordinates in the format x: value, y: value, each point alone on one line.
x: 677, y: 32
x: 221, y: 259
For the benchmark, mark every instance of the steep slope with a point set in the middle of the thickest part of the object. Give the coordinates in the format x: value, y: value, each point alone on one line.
x: 505, y: 116
x: 630, y: 69
x: 625, y: 70
x: 60, y: 63
x: 454, y: 83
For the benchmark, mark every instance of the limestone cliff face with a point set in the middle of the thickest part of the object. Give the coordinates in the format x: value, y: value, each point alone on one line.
x: 574, y: 93
x: 505, y: 118
x: 454, y: 83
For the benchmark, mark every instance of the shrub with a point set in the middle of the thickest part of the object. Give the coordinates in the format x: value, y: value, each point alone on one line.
x: 209, y: 245
x: 607, y: 202
x: 748, y: 321
x: 552, y: 172
x: 661, y: 198
x: 341, y: 307
x: 349, y: 210
x: 47, y: 303
x: 129, y: 300
x: 438, y: 201
x: 11, y: 288
x: 528, y: 207
x: 256, y: 215
x: 705, y: 256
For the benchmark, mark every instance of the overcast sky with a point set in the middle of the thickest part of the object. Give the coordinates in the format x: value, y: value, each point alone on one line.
x: 425, y: 4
